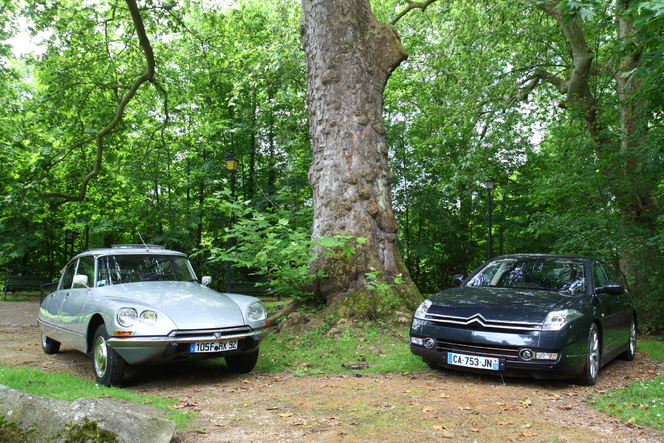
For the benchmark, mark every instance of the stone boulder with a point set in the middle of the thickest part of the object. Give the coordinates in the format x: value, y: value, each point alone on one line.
x: 133, y: 423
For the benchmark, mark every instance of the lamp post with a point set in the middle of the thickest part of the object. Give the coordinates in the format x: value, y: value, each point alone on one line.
x: 231, y: 164
x: 489, y: 185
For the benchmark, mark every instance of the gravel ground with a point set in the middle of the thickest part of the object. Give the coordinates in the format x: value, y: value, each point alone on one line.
x: 355, y: 407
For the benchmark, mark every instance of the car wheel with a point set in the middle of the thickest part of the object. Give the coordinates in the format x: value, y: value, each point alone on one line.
x: 433, y: 365
x: 109, y: 366
x: 242, y: 363
x: 49, y: 345
x: 591, y: 370
x: 630, y: 353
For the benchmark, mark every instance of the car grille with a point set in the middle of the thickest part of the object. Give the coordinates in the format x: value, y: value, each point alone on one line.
x: 478, y: 323
x: 510, y: 353
x: 218, y: 333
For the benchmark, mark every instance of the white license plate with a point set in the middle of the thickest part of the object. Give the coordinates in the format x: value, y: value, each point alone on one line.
x: 473, y: 361
x: 212, y: 346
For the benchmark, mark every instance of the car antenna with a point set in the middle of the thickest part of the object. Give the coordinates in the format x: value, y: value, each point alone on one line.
x: 144, y: 244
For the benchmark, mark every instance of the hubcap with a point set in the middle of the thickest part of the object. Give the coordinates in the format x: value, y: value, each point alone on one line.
x: 593, y: 353
x: 632, y: 338
x: 43, y: 339
x: 101, y: 356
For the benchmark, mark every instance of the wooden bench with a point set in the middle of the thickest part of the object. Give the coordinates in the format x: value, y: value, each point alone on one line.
x: 13, y: 282
x: 251, y: 288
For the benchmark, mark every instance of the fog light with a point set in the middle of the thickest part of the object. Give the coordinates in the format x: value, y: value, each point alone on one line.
x: 546, y: 356
x: 526, y: 354
x: 429, y: 343
x: 417, y: 341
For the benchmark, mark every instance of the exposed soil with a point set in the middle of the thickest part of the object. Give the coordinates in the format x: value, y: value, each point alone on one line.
x: 354, y: 407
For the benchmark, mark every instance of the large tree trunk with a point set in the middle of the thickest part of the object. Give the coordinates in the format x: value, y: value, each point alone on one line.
x: 350, y: 56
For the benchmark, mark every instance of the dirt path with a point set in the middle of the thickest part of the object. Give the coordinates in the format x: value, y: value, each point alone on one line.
x: 418, y: 407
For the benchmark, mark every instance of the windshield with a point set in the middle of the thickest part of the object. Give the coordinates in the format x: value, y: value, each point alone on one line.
x: 553, y: 275
x: 118, y: 269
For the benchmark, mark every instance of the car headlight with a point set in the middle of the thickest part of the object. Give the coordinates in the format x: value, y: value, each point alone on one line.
x: 126, y: 317
x: 148, y: 318
x: 256, y: 312
x: 422, y: 310
x: 557, y: 320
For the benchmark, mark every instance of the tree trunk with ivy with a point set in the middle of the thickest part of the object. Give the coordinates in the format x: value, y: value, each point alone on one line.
x: 350, y: 55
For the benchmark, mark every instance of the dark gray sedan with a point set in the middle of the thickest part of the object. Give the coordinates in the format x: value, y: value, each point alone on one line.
x: 548, y: 316
x: 135, y: 305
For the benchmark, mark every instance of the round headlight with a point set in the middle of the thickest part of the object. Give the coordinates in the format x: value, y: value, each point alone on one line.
x: 256, y: 312
x: 126, y: 317
x: 148, y: 318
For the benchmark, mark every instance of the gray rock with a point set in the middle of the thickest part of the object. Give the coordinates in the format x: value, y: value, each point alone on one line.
x: 131, y: 422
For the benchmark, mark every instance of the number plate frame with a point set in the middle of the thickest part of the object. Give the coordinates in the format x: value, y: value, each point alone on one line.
x: 208, y: 347
x: 473, y: 361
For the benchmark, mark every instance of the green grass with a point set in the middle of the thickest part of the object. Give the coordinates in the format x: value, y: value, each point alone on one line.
x: 69, y: 388
x: 642, y: 402
x: 370, y: 347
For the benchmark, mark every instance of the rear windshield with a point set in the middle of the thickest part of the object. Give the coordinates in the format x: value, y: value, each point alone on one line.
x: 118, y: 269
x: 553, y: 275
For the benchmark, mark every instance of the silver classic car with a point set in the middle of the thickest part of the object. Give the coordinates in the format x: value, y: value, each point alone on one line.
x: 132, y: 305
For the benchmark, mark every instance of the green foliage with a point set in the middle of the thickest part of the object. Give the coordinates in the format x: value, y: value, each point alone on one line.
x: 275, y: 246
x: 469, y: 103
x: 383, y: 295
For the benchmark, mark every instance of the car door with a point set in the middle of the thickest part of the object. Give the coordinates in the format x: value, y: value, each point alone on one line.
x: 50, y: 307
x: 612, y: 312
x: 74, y: 302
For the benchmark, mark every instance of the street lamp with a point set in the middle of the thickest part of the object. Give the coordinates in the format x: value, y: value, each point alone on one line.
x: 489, y: 185
x: 231, y: 164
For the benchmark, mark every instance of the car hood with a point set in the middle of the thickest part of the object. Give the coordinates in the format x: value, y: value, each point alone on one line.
x: 502, y: 304
x: 189, y: 305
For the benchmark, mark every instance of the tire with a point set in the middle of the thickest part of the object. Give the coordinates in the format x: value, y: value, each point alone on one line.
x: 433, y: 365
x: 108, y: 366
x: 49, y: 345
x: 242, y: 363
x: 630, y: 353
x: 591, y: 370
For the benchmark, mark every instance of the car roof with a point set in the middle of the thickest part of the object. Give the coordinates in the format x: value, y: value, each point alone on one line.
x: 545, y: 256
x: 129, y: 250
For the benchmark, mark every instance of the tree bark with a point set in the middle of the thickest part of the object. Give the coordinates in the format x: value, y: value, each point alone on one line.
x: 349, y: 58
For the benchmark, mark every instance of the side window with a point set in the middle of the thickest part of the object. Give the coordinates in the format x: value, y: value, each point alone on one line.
x: 68, y: 276
x: 610, y: 275
x: 86, y: 266
x: 599, y: 275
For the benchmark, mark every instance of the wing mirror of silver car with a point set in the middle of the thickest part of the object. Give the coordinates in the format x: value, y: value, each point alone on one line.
x: 206, y: 280
x: 610, y: 288
x: 81, y: 280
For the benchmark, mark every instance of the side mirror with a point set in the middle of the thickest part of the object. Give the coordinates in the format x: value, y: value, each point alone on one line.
x: 458, y: 279
x: 81, y: 280
x: 206, y: 280
x: 610, y: 288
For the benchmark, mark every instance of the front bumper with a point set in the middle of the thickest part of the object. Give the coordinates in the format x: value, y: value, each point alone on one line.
x: 145, y: 349
x: 509, y: 349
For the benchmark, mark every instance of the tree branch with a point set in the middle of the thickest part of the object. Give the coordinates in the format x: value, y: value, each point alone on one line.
x: 147, y: 76
x: 411, y: 5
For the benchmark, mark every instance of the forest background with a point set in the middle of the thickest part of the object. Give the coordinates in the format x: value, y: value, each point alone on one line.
x: 559, y: 102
